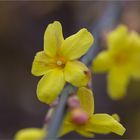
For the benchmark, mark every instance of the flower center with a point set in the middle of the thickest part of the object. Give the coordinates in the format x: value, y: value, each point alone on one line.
x: 59, y: 62
x: 121, y: 58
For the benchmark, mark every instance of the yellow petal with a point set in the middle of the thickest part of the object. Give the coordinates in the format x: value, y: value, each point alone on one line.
x: 116, y: 117
x: 65, y: 129
x: 134, y: 42
x: 136, y: 69
x: 102, y: 62
x: 67, y: 125
x: 53, y: 38
x: 50, y: 86
x: 85, y: 133
x: 104, y: 124
x: 86, y: 100
x: 76, y: 73
x: 42, y: 64
x: 118, y: 80
x: 77, y: 45
x: 134, y: 48
x: 30, y: 134
x: 118, y: 38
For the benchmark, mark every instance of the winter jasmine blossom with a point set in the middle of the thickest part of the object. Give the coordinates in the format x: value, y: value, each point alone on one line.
x: 85, y: 122
x: 58, y: 62
x: 121, y: 60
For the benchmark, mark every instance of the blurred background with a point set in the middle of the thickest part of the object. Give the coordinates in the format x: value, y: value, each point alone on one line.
x: 22, y: 26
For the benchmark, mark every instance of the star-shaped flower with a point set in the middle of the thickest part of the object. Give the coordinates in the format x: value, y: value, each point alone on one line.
x: 85, y: 122
x: 58, y: 62
x: 121, y: 60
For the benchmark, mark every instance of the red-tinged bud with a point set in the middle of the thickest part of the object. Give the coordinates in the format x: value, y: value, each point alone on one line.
x: 79, y: 116
x: 73, y: 101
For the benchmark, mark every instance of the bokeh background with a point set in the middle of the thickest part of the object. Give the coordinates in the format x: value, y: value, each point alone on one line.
x: 22, y: 25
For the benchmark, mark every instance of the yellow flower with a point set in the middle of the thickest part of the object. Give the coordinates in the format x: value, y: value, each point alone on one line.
x: 30, y: 134
x: 95, y: 123
x: 121, y: 60
x: 58, y: 61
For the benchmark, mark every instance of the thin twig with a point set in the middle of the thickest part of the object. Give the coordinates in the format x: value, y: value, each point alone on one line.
x: 60, y: 112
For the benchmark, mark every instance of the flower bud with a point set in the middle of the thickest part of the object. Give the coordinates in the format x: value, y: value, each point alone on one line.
x: 79, y: 116
x: 73, y: 101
